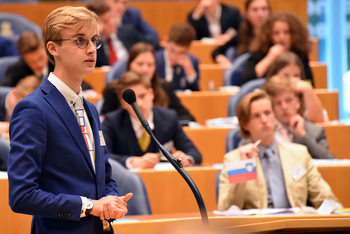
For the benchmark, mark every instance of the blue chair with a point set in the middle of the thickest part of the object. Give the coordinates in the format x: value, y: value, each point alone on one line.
x: 232, y: 139
x: 127, y: 182
x: 5, y: 62
x: 18, y: 24
x: 233, y: 73
x: 117, y: 70
x: 245, y: 89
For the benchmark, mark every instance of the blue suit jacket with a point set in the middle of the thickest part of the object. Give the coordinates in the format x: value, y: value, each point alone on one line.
x: 122, y: 142
x: 132, y: 16
x: 49, y: 164
x: 160, y: 63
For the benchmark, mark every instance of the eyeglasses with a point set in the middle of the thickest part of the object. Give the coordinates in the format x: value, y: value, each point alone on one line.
x: 82, y: 42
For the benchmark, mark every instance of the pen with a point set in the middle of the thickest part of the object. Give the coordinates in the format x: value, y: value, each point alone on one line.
x: 257, y: 143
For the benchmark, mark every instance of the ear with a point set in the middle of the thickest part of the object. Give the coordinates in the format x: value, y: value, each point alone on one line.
x: 52, y: 48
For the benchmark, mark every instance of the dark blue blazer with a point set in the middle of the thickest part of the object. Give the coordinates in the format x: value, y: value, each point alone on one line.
x: 7, y: 48
x: 160, y: 63
x: 230, y: 18
x: 2, y: 105
x: 132, y: 16
x: 49, y: 165
x: 129, y: 36
x: 122, y: 142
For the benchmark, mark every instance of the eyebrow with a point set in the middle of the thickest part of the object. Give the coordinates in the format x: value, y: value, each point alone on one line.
x: 83, y: 35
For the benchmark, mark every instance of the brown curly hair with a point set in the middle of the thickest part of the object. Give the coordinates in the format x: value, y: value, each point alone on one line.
x: 299, y: 34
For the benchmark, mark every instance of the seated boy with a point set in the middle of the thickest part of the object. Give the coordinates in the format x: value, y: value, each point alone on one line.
x: 129, y: 143
x: 175, y: 64
x: 292, y: 126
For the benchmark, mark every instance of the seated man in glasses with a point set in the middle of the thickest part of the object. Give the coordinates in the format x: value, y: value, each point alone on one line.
x: 58, y: 168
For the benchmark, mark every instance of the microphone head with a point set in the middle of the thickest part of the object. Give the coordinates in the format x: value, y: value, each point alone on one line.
x: 129, y: 96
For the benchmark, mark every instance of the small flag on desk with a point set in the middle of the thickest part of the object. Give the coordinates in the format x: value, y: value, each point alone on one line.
x: 241, y: 171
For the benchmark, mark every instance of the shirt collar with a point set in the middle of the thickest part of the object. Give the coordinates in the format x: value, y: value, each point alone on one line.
x: 217, y: 13
x: 273, y: 147
x: 137, y: 126
x: 64, y: 89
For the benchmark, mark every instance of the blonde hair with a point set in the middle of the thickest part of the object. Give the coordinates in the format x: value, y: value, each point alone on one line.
x: 26, y: 85
x: 244, y: 111
x: 67, y: 17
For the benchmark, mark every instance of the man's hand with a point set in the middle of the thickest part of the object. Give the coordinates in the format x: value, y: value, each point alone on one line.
x: 184, y: 160
x: 297, y: 123
x: 111, y: 207
x: 148, y: 160
x: 4, y: 129
x: 185, y: 62
x: 248, y: 151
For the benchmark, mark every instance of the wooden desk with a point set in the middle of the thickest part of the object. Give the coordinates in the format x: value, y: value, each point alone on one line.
x: 205, y: 105
x: 319, y: 71
x: 160, y: 14
x: 191, y: 223
x: 169, y: 193
x: 211, y: 76
x: 11, y: 222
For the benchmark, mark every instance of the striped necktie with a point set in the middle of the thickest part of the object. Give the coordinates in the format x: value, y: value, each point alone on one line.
x: 276, y: 181
x: 79, y: 112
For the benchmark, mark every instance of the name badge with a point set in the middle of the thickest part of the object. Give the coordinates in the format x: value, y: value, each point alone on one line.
x: 298, y: 172
x: 102, y: 139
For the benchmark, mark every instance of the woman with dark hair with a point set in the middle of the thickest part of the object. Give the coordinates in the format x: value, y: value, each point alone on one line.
x: 142, y: 60
x: 289, y: 65
x: 257, y: 12
x: 283, y: 31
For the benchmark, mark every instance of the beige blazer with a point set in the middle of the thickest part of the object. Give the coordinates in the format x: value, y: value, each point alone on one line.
x: 310, y: 187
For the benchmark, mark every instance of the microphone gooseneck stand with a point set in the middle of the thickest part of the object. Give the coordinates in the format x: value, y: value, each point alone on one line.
x: 130, y: 98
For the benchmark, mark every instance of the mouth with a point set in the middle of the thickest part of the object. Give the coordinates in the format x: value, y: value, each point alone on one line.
x: 90, y: 61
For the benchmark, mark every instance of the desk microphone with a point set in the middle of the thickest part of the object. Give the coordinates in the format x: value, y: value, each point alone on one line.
x: 129, y: 96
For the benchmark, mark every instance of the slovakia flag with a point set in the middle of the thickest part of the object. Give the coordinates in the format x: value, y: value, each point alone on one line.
x: 242, y: 171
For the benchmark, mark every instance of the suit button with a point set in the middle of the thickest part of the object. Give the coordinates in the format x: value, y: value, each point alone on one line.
x: 69, y: 215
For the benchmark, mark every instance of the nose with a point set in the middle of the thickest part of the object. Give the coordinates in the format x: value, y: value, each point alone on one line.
x: 263, y: 118
x: 91, y: 48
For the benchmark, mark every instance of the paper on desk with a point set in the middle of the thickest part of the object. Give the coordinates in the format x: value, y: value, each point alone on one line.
x: 327, y: 207
x: 234, y: 211
x: 329, y: 162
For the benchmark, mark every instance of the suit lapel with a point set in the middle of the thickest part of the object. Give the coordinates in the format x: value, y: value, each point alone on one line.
x: 59, y: 104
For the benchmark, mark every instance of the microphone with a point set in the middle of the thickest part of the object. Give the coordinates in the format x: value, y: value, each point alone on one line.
x: 129, y: 96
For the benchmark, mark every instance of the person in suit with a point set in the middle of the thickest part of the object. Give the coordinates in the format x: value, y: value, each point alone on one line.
x: 8, y: 100
x: 7, y: 48
x: 129, y: 143
x: 289, y: 65
x: 57, y: 143
x: 174, y: 63
x: 131, y: 16
x: 212, y: 19
x: 118, y: 41
x: 143, y: 61
x: 293, y: 127
x: 33, y: 60
x: 282, y: 32
x: 256, y: 13
x: 286, y: 174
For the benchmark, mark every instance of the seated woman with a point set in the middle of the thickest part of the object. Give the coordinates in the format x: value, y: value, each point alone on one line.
x: 289, y: 65
x: 257, y: 12
x: 212, y: 19
x: 142, y: 60
x: 283, y: 31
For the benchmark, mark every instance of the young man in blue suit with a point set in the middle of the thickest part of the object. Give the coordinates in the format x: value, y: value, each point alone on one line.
x: 175, y: 64
x: 58, y: 168
x: 126, y: 139
x: 132, y: 16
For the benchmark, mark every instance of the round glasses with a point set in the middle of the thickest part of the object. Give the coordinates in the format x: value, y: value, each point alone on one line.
x: 82, y: 42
